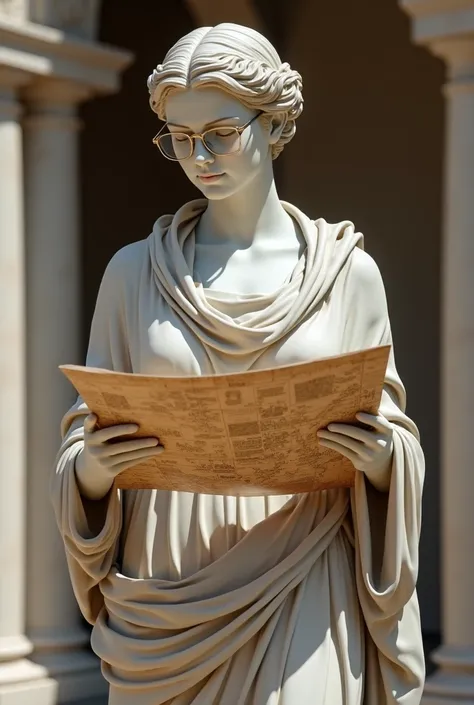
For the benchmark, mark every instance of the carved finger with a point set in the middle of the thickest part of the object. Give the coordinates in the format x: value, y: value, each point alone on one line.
x: 107, y: 434
x: 355, y: 446
x: 118, y: 463
x: 368, y: 438
x: 379, y: 422
x: 132, y: 458
x: 342, y: 450
x: 89, y: 423
x: 111, y: 449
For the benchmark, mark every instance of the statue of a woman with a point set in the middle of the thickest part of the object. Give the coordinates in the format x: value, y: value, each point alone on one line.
x: 201, y: 599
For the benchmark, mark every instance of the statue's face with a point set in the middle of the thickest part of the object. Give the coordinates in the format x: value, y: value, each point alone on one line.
x: 218, y: 176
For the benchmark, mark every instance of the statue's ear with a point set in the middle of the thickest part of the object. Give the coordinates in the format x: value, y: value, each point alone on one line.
x: 276, y: 126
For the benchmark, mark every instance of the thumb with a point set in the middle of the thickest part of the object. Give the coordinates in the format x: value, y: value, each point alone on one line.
x: 89, y: 423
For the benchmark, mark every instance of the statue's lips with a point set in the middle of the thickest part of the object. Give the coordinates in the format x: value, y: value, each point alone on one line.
x: 209, y: 178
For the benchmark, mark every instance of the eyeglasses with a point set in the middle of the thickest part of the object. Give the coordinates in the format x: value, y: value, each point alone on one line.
x: 219, y: 141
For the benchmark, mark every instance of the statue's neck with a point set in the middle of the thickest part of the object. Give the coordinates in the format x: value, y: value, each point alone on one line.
x: 249, y: 217
x: 247, y: 243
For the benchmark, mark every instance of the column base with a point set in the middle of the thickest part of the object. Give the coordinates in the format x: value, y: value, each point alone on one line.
x: 453, y: 682
x: 77, y: 675
x: 24, y: 683
x: 60, y: 678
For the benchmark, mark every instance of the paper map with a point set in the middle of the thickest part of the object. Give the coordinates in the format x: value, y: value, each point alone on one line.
x: 252, y: 433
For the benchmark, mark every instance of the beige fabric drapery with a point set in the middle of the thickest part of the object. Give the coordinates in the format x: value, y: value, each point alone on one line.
x: 200, y: 599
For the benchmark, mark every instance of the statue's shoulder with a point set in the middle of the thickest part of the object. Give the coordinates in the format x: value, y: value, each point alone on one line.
x: 364, y: 268
x: 126, y: 264
x: 365, y: 285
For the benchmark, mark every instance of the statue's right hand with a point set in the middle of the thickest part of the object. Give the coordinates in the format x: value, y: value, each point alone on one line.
x: 105, y: 455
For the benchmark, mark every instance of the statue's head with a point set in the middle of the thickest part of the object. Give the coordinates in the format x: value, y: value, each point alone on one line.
x: 230, y: 80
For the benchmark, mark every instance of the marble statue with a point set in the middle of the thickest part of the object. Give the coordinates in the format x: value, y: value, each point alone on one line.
x: 225, y: 600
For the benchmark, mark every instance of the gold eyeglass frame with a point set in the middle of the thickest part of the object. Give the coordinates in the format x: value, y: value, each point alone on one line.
x: 238, y: 128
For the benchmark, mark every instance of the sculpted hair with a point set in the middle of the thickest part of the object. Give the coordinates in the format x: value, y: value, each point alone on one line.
x: 235, y: 59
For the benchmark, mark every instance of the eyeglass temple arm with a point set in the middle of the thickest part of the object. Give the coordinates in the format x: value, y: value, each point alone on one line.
x: 239, y: 129
x: 159, y: 133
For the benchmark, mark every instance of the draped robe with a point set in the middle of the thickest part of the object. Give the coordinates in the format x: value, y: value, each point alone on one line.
x: 199, y: 599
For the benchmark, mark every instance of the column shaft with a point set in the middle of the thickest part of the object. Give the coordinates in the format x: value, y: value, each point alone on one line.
x: 21, y: 681
x: 54, y: 625
x: 458, y: 372
x: 453, y: 682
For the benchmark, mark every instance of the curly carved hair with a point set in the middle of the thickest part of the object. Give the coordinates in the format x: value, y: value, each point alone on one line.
x: 235, y: 59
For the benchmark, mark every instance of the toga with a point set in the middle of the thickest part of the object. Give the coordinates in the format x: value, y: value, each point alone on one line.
x: 198, y: 599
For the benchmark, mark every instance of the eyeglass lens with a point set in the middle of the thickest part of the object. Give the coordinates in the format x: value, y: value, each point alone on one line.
x: 179, y: 145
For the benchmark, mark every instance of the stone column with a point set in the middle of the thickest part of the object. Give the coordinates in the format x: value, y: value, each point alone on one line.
x: 21, y: 681
x: 448, y: 31
x: 454, y: 681
x: 61, y: 642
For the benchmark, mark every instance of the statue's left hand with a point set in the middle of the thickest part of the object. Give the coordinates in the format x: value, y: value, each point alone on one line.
x: 370, y: 451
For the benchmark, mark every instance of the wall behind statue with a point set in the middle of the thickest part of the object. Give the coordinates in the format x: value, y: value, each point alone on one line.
x: 126, y: 183
x: 368, y: 148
